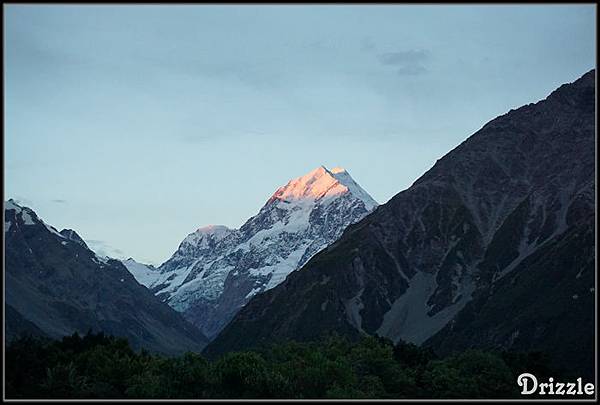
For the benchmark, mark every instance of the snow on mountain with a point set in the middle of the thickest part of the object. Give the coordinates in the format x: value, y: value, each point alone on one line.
x: 60, y: 286
x: 72, y: 235
x: 28, y: 216
x: 143, y: 273
x: 344, y: 178
x: 202, y: 236
x: 216, y: 270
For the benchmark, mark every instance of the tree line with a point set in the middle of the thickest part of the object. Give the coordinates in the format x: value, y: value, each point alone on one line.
x: 100, y: 366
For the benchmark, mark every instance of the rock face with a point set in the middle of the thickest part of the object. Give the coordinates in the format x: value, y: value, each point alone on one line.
x: 55, y: 286
x: 492, y: 247
x: 216, y: 270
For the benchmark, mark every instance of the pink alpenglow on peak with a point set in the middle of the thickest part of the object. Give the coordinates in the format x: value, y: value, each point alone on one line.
x: 215, y: 232
x: 213, y: 229
x: 336, y: 170
x: 215, y: 271
x: 321, y: 183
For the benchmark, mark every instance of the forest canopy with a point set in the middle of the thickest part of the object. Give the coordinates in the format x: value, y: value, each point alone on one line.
x: 100, y: 366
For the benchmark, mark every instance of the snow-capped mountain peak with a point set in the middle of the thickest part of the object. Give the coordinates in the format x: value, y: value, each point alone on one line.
x: 27, y: 217
x: 216, y: 270
x: 210, y: 232
x: 342, y: 176
x: 213, y: 229
x: 322, y: 183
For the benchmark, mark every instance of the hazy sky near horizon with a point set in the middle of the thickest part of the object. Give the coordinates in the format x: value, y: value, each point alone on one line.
x: 135, y: 125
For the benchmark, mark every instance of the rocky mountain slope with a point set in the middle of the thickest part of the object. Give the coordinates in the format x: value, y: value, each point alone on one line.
x: 492, y: 247
x: 216, y: 270
x: 55, y: 286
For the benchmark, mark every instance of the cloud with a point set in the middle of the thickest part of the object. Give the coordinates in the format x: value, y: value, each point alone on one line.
x: 367, y: 44
x: 320, y: 44
x: 409, y: 62
x: 411, y: 70
x: 403, y: 57
x: 102, y: 248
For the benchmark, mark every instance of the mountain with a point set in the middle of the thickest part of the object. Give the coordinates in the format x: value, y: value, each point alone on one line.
x: 73, y: 236
x: 144, y: 274
x: 493, y: 247
x: 216, y: 270
x: 55, y: 285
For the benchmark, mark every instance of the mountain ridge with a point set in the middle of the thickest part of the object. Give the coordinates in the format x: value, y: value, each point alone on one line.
x: 55, y: 285
x: 470, y: 223
x: 215, y: 269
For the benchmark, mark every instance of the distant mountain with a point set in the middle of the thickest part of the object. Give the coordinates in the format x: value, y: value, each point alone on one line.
x: 144, y: 274
x: 55, y: 286
x: 492, y: 247
x: 216, y: 270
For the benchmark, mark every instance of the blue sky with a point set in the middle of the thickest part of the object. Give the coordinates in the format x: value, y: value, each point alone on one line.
x: 135, y: 125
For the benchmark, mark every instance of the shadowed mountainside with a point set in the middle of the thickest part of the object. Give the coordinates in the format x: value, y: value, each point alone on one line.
x: 492, y: 247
